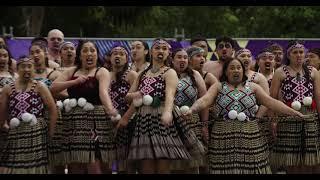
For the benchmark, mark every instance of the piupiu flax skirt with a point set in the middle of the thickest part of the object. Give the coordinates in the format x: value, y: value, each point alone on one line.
x: 193, y: 126
x: 237, y: 147
x: 265, y: 124
x: 88, y: 135
x: 122, y: 143
x: 56, y: 157
x: 152, y: 140
x: 26, y: 149
x: 297, y: 141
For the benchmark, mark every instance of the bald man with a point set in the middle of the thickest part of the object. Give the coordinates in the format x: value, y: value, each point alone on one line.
x: 55, y: 38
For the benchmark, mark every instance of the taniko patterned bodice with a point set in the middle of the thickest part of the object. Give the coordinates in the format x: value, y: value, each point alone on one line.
x: 26, y: 101
x: 118, y: 91
x: 294, y: 88
x: 238, y: 100
x: 88, y: 90
x: 186, y: 93
x: 6, y: 80
x: 153, y: 86
x: 46, y: 80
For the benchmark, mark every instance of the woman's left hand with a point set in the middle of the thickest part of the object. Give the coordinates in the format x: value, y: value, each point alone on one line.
x: 166, y: 118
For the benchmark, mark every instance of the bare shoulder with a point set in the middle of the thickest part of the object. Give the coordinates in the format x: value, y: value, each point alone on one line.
x: 279, y: 73
x: 132, y: 73
x: 196, y: 73
x: 41, y: 87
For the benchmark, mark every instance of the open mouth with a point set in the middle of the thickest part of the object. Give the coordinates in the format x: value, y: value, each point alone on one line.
x: 160, y: 56
x: 26, y: 75
x: 182, y: 65
x: 117, y: 61
x: 246, y: 63
x: 2, y: 64
x: 268, y: 65
x: 89, y: 61
x: 236, y: 76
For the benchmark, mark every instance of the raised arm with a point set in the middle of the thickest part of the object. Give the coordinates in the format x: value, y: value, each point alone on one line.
x: 263, y: 82
x: 63, y: 82
x: 211, y: 79
x: 207, y: 99
x: 273, y: 104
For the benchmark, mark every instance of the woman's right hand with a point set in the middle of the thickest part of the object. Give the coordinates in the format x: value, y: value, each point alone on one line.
x: 187, y: 115
x: 81, y: 79
x: 122, y: 123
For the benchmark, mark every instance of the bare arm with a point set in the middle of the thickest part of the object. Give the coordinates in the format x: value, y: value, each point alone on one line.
x: 103, y: 76
x: 207, y: 99
x: 131, y: 77
x: 204, y: 114
x: 62, y: 82
x: 50, y: 103
x: 263, y: 82
x: 4, y: 105
x: 125, y: 118
x: 276, y: 84
x: 133, y: 93
x: 316, y: 80
x: 211, y: 79
x: 171, y: 79
x: 272, y: 103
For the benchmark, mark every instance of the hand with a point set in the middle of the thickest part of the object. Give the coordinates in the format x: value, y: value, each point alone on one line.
x: 136, y: 95
x: 297, y: 113
x: 5, y: 127
x: 205, y: 134
x: 166, y: 118
x: 122, y: 123
x: 112, y: 112
x: 81, y: 79
x: 187, y: 115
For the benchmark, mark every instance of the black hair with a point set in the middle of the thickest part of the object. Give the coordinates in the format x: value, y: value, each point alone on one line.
x: 151, y: 62
x: 287, y: 60
x: 228, y: 60
x: 146, y: 47
x: 39, y: 40
x: 44, y: 48
x: 10, y: 58
x: 315, y: 51
x: 78, y: 53
x: 256, y: 66
x: 225, y: 39
x: 20, y: 58
x: 188, y: 70
x: 125, y: 68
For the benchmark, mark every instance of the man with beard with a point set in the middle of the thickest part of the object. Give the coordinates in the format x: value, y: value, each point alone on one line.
x: 224, y: 49
x: 55, y: 38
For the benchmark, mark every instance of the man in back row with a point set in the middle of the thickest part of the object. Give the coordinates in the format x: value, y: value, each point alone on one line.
x: 224, y: 49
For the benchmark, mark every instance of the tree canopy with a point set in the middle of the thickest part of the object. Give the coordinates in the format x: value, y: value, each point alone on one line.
x: 160, y: 21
